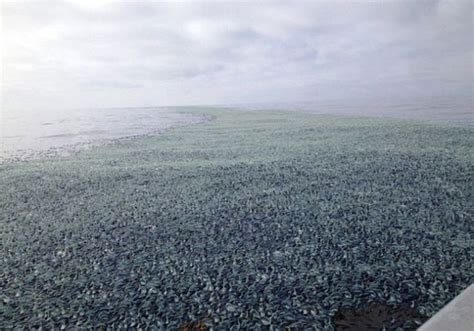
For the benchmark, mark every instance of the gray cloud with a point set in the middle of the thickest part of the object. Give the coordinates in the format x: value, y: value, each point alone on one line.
x: 79, y: 54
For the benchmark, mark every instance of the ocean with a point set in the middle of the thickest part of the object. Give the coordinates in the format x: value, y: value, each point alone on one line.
x: 33, y: 134
x: 28, y: 134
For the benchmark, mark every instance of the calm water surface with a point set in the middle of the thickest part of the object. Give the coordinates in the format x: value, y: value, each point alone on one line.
x: 28, y: 134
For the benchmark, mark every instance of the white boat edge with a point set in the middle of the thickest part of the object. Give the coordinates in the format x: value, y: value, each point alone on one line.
x: 457, y: 315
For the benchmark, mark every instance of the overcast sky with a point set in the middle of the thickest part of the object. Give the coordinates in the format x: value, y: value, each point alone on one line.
x: 84, y: 54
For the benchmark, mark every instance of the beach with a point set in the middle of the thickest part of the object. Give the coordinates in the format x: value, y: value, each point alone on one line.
x: 267, y: 219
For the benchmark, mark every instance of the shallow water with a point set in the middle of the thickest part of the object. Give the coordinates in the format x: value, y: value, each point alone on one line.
x: 34, y: 134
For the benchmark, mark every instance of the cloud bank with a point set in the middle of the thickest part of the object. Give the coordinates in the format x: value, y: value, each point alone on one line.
x: 84, y: 54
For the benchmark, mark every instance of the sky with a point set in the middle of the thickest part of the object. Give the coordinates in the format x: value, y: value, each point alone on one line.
x: 75, y: 54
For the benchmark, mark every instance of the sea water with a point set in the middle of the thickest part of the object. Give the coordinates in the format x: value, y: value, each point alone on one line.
x: 31, y: 134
